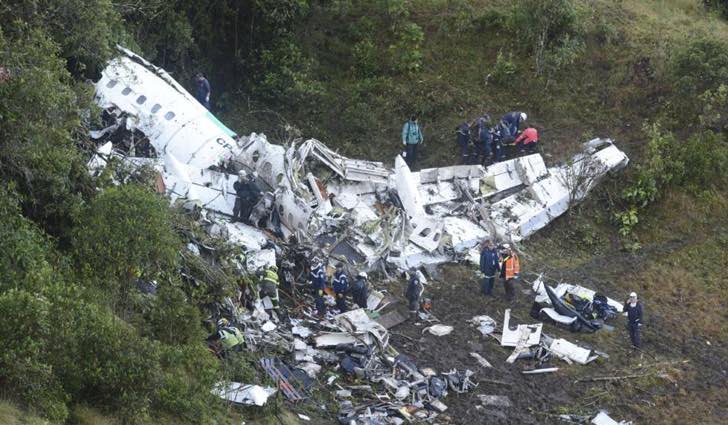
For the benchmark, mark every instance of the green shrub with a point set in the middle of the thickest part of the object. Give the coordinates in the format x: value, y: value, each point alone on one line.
x: 123, y: 233
x: 549, y: 29
x: 41, y: 118
x: 697, y: 164
x: 406, y: 51
x: 25, y: 263
x: 503, y: 69
x: 697, y: 69
x: 25, y: 359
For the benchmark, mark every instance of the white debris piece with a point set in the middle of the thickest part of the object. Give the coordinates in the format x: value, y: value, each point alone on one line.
x: 301, y: 331
x: 539, y: 371
x: 557, y: 317
x: 439, y: 330
x: 243, y: 394
x: 258, y: 260
x: 511, y: 337
x: 334, y: 338
x: 268, y: 326
x: 483, y: 362
x: 603, y: 419
x: 565, y: 349
x: 375, y: 297
x: 485, y: 324
x: 494, y: 400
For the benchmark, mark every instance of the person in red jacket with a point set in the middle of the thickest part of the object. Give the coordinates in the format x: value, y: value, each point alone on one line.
x: 527, y: 141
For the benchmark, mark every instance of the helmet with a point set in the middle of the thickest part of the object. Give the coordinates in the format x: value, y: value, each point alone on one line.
x: 633, y: 295
x: 524, y: 117
x: 242, y: 173
x: 363, y: 275
x: 507, y: 246
x: 223, y: 322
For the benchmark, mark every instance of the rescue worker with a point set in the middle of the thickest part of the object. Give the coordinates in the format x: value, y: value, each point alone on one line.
x: 269, y: 285
x: 527, y: 141
x: 230, y: 337
x: 498, y: 136
x: 510, y: 271
x: 512, y: 122
x: 360, y: 290
x: 411, y: 138
x: 633, y: 308
x: 485, y: 139
x: 414, y: 292
x: 318, y: 284
x: 463, y: 139
x: 247, y: 194
x: 489, y: 266
x: 202, y: 94
x: 340, y: 283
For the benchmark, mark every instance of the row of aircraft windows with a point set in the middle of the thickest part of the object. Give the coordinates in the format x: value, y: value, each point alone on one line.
x: 141, y: 99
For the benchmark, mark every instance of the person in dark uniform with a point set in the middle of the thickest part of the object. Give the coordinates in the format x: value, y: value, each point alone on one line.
x: 633, y: 308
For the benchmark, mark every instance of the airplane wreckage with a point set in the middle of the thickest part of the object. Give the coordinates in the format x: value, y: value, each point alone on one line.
x: 364, y: 214
x: 371, y: 216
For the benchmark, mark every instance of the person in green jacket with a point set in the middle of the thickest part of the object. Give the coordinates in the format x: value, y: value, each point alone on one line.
x: 411, y: 138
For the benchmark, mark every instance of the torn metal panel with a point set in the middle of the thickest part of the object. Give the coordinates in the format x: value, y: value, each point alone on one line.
x: 406, y: 186
x: 511, y: 337
x: 565, y: 349
x: 531, y: 168
x: 375, y: 297
x: 463, y: 234
x: 426, y: 232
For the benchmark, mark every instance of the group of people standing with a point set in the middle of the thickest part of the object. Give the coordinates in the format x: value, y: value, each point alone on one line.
x: 358, y: 290
x: 503, y: 262
x: 480, y: 141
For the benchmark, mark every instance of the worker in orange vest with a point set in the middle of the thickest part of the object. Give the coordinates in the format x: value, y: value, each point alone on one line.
x: 510, y: 270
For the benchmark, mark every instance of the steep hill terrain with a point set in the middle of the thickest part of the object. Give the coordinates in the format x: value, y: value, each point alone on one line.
x: 80, y: 347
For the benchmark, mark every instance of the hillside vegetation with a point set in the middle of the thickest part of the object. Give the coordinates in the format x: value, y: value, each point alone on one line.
x: 650, y: 74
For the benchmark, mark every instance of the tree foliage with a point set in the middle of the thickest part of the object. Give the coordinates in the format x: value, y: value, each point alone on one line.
x: 123, y: 233
x: 548, y: 29
x: 41, y: 121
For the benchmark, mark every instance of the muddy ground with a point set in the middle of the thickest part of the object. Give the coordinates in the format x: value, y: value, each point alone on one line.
x: 672, y: 368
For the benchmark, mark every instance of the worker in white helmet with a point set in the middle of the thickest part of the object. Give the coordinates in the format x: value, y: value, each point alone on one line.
x: 512, y: 121
x: 633, y: 308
